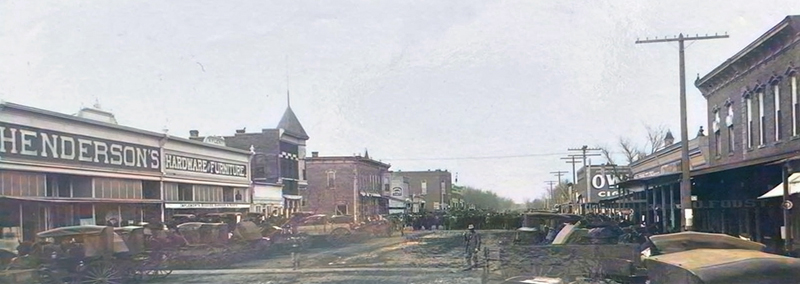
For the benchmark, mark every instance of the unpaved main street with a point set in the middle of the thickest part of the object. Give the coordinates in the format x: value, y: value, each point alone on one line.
x: 424, y: 257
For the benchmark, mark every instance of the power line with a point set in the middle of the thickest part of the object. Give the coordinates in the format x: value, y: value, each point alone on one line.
x: 495, y: 157
x: 478, y: 157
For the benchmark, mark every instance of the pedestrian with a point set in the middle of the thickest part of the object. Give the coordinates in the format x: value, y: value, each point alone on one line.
x: 472, y: 242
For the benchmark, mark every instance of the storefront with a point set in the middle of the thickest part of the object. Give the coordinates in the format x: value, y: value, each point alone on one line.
x: 61, y: 170
x: 267, y: 199
x: 201, y: 178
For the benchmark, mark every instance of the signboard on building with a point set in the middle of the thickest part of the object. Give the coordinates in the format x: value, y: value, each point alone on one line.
x: 204, y: 205
x: 397, y: 192
x: 23, y: 142
x: 198, y: 165
x: 603, y: 180
x: 216, y: 140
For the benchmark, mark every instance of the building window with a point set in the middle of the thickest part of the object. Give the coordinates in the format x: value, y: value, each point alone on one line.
x: 761, y: 120
x: 776, y: 93
x: 331, y: 179
x: 424, y: 187
x: 185, y: 192
x: 717, y: 135
x: 795, y: 106
x: 341, y: 210
x: 749, y: 121
x: 729, y: 122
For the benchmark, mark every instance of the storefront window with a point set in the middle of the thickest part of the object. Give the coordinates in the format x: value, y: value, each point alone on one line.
x: 117, y: 188
x: 18, y: 183
x: 185, y: 192
x: 171, y: 191
x: 107, y: 214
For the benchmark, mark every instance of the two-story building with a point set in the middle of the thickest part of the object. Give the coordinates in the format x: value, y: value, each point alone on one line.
x: 428, y: 190
x: 347, y: 185
x: 652, y: 193
x: 754, y: 118
x: 60, y: 170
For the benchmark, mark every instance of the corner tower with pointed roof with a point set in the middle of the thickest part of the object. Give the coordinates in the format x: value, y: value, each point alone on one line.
x: 278, y: 159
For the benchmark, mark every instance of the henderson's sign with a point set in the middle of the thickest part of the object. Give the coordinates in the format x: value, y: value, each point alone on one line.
x: 197, y: 165
x: 25, y: 142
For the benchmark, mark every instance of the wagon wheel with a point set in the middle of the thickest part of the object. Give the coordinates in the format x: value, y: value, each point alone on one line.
x: 101, y: 273
x: 157, y: 266
x: 338, y: 235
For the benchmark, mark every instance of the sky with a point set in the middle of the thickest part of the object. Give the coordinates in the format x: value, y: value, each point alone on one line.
x: 496, y: 91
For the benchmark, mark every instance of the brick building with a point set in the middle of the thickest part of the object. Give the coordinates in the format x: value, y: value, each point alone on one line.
x: 754, y: 118
x: 337, y: 183
x: 277, y: 163
x: 428, y: 190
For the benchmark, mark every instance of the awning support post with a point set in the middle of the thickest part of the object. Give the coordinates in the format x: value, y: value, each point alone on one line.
x: 787, y: 222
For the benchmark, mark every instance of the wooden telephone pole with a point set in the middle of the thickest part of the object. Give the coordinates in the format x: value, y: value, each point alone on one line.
x: 686, y: 186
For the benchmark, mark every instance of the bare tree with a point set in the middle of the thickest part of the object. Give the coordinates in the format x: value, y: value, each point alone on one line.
x: 629, y: 149
x: 607, y: 154
x: 655, y: 137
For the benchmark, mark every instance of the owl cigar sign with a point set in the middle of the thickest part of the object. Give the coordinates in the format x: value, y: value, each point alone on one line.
x: 603, y: 181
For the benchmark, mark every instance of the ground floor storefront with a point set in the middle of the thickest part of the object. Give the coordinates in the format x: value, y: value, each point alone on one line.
x: 28, y: 216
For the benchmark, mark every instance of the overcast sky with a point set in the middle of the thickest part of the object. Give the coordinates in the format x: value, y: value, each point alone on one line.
x: 421, y: 84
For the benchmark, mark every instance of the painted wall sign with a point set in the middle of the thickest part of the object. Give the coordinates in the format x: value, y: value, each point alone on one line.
x: 197, y: 165
x: 54, y: 146
x: 602, y: 182
x: 397, y: 191
x: 204, y: 205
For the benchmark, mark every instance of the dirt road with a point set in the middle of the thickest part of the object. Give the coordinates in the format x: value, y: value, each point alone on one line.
x: 425, y: 257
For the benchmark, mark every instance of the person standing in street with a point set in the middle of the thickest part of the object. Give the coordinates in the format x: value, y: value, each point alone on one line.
x: 472, y: 241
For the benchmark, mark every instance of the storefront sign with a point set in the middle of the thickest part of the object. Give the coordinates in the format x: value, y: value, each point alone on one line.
x: 204, y: 205
x: 53, y: 146
x: 723, y: 204
x: 216, y: 140
x: 197, y: 165
x: 397, y: 191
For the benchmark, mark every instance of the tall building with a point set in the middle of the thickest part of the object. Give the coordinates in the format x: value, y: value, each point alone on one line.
x: 277, y: 161
x: 754, y: 121
x: 428, y: 190
x: 344, y: 185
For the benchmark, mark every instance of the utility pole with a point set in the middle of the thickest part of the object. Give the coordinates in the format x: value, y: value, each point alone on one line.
x: 558, y: 174
x: 585, y: 153
x: 549, y: 193
x: 686, y: 186
x: 571, y: 159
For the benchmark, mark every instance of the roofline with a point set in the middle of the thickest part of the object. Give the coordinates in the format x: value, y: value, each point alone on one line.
x: 736, y: 57
x: 347, y: 158
x: 9, y: 105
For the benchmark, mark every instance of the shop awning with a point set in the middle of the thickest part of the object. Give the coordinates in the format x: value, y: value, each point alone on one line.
x: 370, y: 194
x: 265, y: 194
x: 292, y: 197
x: 794, y: 187
x: 82, y: 200
x: 638, y: 185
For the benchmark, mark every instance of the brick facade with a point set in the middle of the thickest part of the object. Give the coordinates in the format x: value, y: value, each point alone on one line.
x: 334, y: 181
x: 758, y: 69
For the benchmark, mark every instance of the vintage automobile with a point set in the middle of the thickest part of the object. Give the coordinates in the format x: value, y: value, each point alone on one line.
x: 335, y: 229
x: 684, y: 241
x: 79, y: 254
x: 718, y: 266
x: 537, y: 225
x: 150, y: 261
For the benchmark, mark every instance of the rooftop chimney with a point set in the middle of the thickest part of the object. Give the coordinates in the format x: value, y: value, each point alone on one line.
x: 194, y: 133
x: 241, y: 131
x: 315, y: 154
